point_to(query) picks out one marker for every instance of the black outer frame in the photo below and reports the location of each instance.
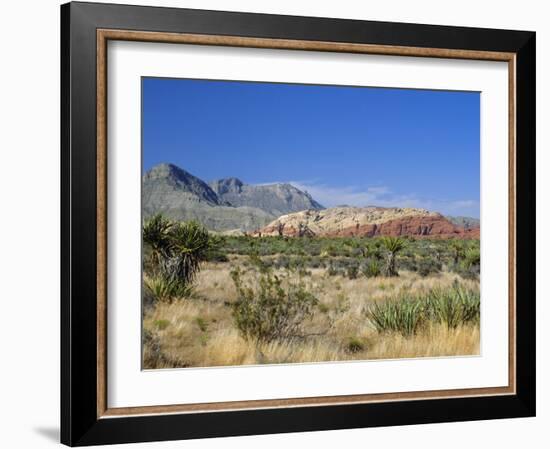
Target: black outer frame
(79, 422)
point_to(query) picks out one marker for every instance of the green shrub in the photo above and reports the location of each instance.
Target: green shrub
(323, 308)
(270, 310)
(354, 345)
(352, 272)
(332, 270)
(426, 266)
(372, 269)
(161, 324)
(202, 323)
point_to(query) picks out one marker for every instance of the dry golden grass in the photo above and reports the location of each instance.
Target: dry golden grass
(200, 331)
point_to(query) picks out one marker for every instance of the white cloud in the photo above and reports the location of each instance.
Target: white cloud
(330, 196)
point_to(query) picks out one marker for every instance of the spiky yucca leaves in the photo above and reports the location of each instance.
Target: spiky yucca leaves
(372, 269)
(393, 245)
(163, 290)
(403, 316)
(156, 234)
(189, 243)
(472, 257)
(406, 314)
(177, 250)
(453, 307)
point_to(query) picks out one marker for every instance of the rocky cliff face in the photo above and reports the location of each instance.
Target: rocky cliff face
(275, 199)
(367, 221)
(226, 204)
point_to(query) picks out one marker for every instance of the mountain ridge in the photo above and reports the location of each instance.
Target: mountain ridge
(221, 205)
(229, 205)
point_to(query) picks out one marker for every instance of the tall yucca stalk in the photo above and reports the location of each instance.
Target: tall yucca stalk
(393, 245)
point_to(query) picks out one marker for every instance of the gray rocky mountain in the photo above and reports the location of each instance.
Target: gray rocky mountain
(224, 205)
(275, 199)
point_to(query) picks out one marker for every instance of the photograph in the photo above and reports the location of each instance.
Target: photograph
(300, 223)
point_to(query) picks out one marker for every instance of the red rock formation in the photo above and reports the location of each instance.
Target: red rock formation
(413, 226)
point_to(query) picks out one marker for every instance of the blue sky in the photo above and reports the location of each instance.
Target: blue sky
(344, 145)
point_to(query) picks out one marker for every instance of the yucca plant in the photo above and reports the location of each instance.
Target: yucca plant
(457, 249)
(472, 257)
(156, 234)
(371, 269)
(188, 246)
(402, 315)
(163, 290)
(453, 307)
(393, 245)
(406, 315)
(176, 252)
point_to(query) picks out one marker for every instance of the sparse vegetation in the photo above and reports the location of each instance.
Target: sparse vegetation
(406, 315)
(276, 299)
(273, 310)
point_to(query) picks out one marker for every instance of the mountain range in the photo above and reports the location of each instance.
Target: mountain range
(221, 205)
(231, 206)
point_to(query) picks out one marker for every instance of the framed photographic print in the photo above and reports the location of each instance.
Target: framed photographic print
(276, 224)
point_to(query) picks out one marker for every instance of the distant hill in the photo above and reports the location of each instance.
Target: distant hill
(465, 222)
(367, 221)
(224, 205)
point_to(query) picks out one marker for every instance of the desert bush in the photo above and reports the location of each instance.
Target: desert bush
(161, 324)
(152, 354)
(354, 345)
(352, 271)
(202, 323)
(332, 270)
(426, 266)
(270, 309)
(466, 271)
(283, 261)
